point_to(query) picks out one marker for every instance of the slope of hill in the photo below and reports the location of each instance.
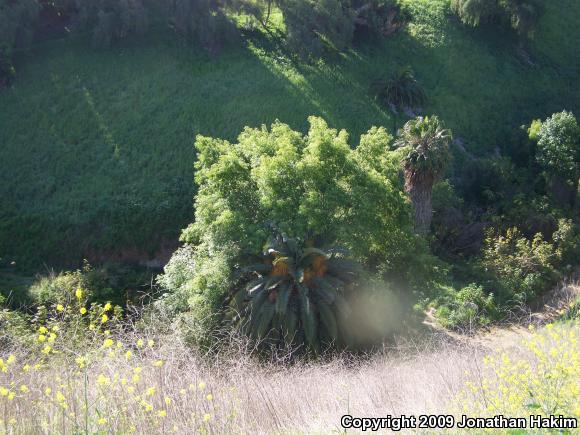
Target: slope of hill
(96, 146)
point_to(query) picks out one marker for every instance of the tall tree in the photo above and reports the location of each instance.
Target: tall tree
(428, 155)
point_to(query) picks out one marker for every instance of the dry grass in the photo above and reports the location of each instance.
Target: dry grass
(246, 396)
(125, 383)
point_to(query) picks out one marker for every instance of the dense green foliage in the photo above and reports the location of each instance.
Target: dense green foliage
(313, 26)
(312, 187)
(559, 145)
(511, 272)
(522, 15)
(474, 12)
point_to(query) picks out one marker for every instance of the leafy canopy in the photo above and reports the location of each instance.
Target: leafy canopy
(313, 187)
(521, 15)
(559, 145)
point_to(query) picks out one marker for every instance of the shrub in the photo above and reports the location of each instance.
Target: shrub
(559, 145)
(521, 15)
(14, 328)
(474, 12)
(567, 241)
(97, 285)
(108, 20)
(313, 187)
(204, 21)
(467, 308)
(521, 268)
(558, 153)
(312, 25)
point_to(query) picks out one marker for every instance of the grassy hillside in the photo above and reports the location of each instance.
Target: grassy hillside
(96, 146)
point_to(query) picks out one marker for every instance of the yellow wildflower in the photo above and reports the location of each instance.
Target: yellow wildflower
(162, 413)
(108, 342)
(102, 380)
(104, 318)
(83, 311)
(108, 306)
(81, 361)
(79, 293)
(60, 308)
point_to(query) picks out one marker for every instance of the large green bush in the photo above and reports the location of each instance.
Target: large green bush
(314, 187)
(558, 153)
(518, 269)
(521, 15)
(106, 20)
(205, 21)
(313, 25)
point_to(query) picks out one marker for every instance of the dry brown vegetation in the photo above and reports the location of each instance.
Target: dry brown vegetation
(133, 383)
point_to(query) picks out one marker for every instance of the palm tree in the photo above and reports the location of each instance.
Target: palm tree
(400, 91)
(428, 155)
(296, 294)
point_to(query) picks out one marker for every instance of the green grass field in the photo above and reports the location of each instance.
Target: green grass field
(96, 147)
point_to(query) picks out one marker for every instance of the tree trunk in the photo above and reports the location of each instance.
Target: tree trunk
(420, 189)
